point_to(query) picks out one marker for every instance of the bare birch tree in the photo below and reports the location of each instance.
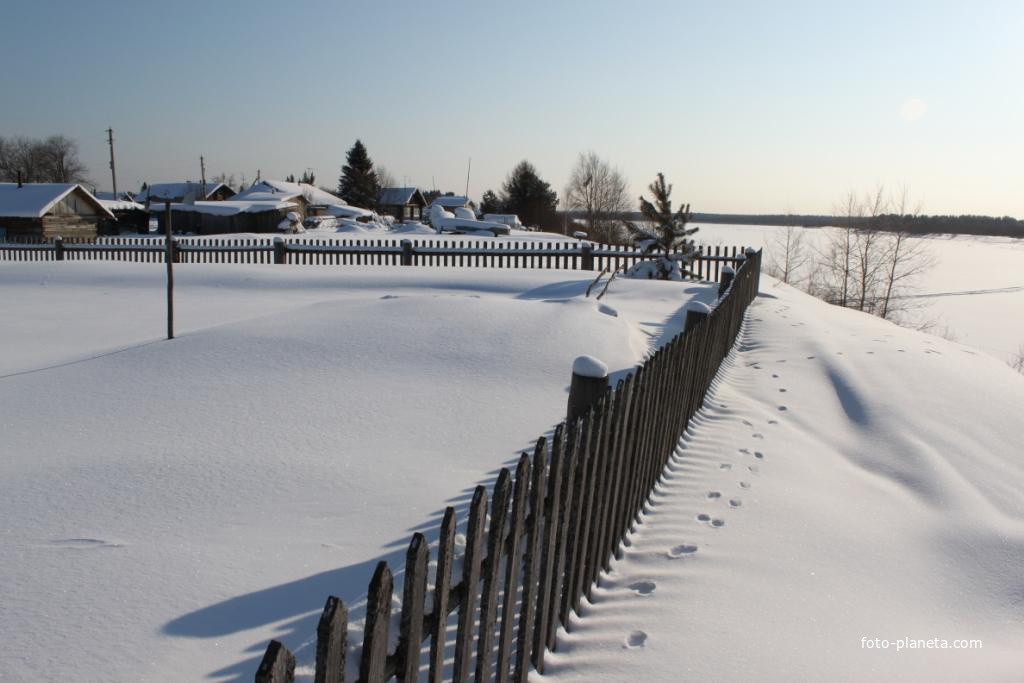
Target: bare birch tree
(601, 192)
(905, 257)
(787, 253)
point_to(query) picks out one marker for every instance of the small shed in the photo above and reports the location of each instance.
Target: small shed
(128, 215)
(178, 192)
(215, 218)
(49, 209)
(404, 203)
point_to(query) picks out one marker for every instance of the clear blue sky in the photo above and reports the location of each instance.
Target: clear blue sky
(746, 106)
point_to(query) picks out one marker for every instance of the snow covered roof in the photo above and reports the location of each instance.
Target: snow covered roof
(120, 196)
(450, 202)
(120, 204)
(231, 207)
(161, 192)
(398, 196)
(266, 189)
(34, 200)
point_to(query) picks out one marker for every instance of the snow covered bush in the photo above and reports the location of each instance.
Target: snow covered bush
(663, 232)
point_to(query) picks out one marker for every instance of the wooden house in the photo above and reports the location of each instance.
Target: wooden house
(404, 203)
(49, 209)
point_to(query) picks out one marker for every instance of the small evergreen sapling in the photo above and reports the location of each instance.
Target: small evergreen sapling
(667, 231)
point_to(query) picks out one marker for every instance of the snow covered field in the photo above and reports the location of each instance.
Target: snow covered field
(975, 292)
(848, 481)
(169, 507)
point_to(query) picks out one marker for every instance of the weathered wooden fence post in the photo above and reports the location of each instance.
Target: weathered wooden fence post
(170, 257)
(728, 274)
(407, 252)
(278, 665)
(696, 313)
(58, 248)
(589, 382)
(587, 256)
(280, 251)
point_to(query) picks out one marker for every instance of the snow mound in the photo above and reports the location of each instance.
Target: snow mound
(588, 366)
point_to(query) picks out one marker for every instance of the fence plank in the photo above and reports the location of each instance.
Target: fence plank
(414, 591)
(531, 560)
(492, 567)
(470, 579)
(512, 569)
(278, 665)
(442, 588)
(331, 642)
(373, 663)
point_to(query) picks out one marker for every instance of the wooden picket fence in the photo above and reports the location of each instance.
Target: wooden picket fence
(320, 251)
(553, 527)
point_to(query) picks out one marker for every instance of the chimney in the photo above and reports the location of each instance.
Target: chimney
(19, 178)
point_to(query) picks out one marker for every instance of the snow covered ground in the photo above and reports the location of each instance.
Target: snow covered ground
(168, 507)
(974, 294)
(848, 480)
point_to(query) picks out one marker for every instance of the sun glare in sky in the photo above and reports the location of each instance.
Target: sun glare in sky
(913, 109)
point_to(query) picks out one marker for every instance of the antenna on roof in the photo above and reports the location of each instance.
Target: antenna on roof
(469, 166)
(202, 174)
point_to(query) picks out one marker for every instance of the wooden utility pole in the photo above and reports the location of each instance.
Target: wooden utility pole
(169, 257)
(202, 175)
(469, 167)
(113, 174)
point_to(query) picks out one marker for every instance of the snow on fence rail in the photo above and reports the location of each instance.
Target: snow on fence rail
(552, 528)
(407, 252)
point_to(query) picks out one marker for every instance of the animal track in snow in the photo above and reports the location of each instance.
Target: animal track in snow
(759, 455)
(773, 422)
(635, 639)
(714, 494)
(716, 522)
(754, 468)
(748, 423)
(725, 466)
(745, 451)
(735, 502)
(782, 391)
(643, 587)
(774, 376)
(681, 551)
(745, 484)
(83, 543)
(757, 435)
(783, 409)
(811, 357)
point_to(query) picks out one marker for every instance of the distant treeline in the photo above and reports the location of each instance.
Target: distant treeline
(918, 225)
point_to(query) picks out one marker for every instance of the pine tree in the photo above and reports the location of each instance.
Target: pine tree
(358, 184)
(308, 178)
(529, 197)
(490, 203)
(290, 178)
(667, 231)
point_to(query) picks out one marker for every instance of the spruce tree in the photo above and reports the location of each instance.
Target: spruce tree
(358, 184)
(490, 203)
(664, 231)
(529, 197)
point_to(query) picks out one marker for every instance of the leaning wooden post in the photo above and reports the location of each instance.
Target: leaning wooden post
(587, 256)
(696, 313)
(406, 252)
(280, 251)
(169, 257)
(58, 248)
(589, 382)
(728, 275)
